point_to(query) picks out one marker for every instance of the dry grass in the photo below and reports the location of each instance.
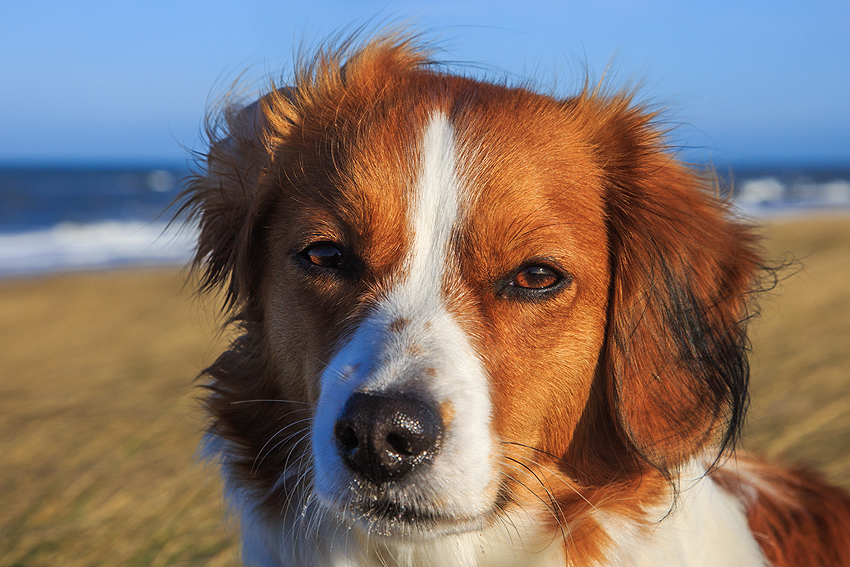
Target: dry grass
(98, 424)
(800, 408)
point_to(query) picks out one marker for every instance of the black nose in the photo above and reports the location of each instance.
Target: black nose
(384, 437)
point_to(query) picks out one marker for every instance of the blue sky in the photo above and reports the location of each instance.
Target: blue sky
(112, 82)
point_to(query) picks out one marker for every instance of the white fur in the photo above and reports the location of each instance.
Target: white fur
(310, 537)
(704, 527)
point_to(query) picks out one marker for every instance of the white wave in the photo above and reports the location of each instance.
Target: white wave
(70, 246)
(761, 191)
(798, 193)
(835, 192)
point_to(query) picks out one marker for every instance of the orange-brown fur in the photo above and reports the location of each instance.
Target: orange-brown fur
(599, 394)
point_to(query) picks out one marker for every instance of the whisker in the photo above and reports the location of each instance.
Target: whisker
(273, 400)
(300, 510)
(564, 529)
(304, 437)
(283, 477)
(548, 454)
(556, 509)
(256, 465)
(558, 476)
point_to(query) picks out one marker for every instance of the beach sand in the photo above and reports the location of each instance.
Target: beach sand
(99, 422)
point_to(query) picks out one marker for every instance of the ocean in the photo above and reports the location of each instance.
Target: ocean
(82, 219)
(54, 219)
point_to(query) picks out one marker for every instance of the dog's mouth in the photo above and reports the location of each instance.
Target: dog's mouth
(387, 517)
(380, 514)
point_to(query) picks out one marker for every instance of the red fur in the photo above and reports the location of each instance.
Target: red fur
(599, 393)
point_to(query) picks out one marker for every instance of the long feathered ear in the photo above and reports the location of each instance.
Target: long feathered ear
(224, 198)
(682, 275)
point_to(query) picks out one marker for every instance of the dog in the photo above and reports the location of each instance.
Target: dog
(480, 325)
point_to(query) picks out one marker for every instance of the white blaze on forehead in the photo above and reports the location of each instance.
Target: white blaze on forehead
(412, 342)
(435, 207)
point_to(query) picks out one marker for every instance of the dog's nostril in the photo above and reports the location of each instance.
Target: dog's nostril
(384, 437)
(346, 436)
(400, 445)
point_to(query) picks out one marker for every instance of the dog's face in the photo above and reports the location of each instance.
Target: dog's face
(460, 300)
(429, 288)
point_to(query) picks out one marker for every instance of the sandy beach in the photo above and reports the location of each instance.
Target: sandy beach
(99, 421)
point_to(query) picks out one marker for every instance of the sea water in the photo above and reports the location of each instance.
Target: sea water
(55, 219)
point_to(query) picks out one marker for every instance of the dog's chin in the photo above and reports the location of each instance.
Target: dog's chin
(383, 517)
(391, 521)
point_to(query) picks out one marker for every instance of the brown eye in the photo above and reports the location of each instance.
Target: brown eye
(535, 277)
(325, 255)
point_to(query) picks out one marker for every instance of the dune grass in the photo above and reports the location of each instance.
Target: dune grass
(99, 424)
(800, 410)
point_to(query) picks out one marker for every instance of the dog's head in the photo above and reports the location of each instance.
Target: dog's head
(458, 299)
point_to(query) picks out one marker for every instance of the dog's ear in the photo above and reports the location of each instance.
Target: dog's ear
(682, 275)
(224, 196)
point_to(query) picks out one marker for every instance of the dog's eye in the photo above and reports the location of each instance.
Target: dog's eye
(536, 278)
(535, 282)
(325, 255)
